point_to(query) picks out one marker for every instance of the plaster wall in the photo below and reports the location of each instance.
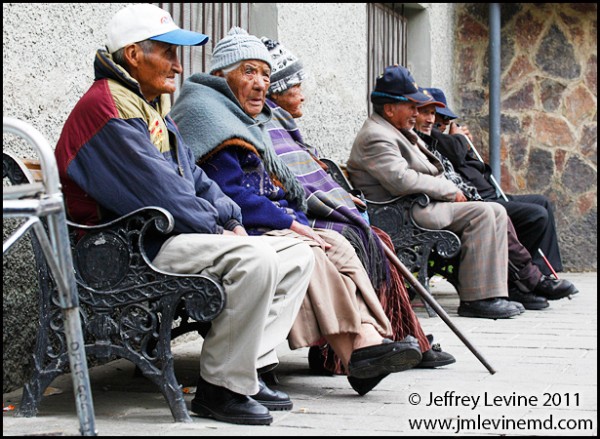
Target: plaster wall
(431, 45)
(332, 45)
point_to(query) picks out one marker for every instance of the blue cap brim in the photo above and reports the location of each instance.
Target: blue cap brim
(418, 97)
(433, 102)
(446, 112)
(180, 37)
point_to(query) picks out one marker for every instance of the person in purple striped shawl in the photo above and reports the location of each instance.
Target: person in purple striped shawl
(329, 206)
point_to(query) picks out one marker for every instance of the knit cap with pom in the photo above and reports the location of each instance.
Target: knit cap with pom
(238, 45)
(287, 69)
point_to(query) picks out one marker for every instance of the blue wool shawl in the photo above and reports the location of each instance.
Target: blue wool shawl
(209, 115)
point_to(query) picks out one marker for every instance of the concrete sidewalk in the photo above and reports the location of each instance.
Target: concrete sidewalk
(545, 384)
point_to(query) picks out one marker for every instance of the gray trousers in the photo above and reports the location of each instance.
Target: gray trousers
(265, 280)
(481, 228)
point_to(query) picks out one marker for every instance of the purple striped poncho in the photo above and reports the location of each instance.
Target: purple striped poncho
(329, 206)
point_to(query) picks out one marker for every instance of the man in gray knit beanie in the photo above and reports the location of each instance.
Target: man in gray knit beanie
(223, 117)
(238, 45)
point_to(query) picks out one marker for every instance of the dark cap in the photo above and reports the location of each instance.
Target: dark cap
(397, 85)
(439, 96)
(438, 104)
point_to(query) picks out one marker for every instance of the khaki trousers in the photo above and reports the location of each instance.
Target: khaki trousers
(481, 228)
(340, 295)
(265, 280)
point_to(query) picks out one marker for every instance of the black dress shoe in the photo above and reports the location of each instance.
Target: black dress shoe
(495, 308)
(528, 300)
(435, 357)
(554, 289)
(365, 385)
(224, 405)
(519, 305)
(272, 399)
(387, 357)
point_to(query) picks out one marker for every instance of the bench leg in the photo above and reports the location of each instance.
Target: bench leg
(172, 392)
(45, 367)
(165, 377)
(33, 392)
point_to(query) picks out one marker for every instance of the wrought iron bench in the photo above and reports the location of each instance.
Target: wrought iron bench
(423, 251)
(129, 308)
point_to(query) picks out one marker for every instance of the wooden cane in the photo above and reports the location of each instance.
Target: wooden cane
(437, 308)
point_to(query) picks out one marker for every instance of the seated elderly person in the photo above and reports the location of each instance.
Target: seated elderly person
(329, 206)
(531, 214)
(222, 116)
(388, 160)
(110, 165)
(526, 283)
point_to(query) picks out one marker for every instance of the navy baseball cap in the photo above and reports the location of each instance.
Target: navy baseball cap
(439, 96)
(433, 101)
(396, 84)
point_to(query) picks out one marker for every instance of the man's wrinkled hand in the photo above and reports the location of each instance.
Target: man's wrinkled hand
(460, 197)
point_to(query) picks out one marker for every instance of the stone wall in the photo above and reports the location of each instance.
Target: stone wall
(548, 105)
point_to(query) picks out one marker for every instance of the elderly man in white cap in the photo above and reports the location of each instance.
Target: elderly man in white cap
(119, 151)
(222, 116)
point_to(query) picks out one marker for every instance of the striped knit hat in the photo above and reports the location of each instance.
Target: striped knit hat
(287, 69)
(238, 45)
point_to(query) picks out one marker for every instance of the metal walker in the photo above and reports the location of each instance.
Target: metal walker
(35, 200)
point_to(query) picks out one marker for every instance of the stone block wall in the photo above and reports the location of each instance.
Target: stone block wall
(548, 106)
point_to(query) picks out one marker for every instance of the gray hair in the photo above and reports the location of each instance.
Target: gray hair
(227, 70)
(119, 55)
(378, 108)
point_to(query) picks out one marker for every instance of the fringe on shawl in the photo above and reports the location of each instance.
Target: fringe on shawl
(370, 252)
(392, 296)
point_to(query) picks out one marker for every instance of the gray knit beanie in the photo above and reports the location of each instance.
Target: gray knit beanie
(287, 69)
(237, 46)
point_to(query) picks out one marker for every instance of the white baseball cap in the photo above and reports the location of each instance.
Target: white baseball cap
(148, 22)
